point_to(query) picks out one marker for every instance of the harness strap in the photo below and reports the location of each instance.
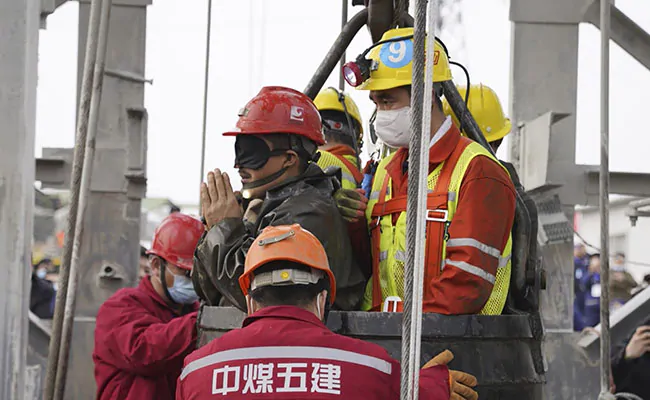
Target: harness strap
(354, 170)
(436, 201)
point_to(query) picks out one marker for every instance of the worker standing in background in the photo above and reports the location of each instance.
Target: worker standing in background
(470, 204)
(284, 350)
(142, 334)
(277, 138)
(621, 283)
(343, 132)
(588, 303)
(580, 269)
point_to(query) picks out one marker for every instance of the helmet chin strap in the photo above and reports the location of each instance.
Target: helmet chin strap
(264, 181)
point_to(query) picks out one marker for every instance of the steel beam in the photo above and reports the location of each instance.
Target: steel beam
(624, 32)
(19, 24)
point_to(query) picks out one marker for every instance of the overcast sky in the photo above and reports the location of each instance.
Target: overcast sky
(281, 42)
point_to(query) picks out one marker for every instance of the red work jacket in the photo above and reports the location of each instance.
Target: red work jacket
(483, 220)
(286, 352)
(140, 343)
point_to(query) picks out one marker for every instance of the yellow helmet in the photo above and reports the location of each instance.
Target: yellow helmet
(328, 99)
(485, 107)
(391, 62)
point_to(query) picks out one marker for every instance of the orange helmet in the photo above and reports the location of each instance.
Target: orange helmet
(175, 239)
(278, 109)
(288, 243)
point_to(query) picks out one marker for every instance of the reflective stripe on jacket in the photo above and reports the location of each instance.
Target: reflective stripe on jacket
(351, 176)
(470, 264)
(286, 352)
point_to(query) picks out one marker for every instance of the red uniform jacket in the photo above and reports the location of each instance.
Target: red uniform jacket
(286, 352)
(140, 343)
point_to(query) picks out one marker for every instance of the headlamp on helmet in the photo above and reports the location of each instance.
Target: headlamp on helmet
(358, 71)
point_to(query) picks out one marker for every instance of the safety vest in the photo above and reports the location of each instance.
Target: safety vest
(350, 174)
(389, 240)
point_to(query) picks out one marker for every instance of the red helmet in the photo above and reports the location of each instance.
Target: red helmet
(278, 109)
(176, 238)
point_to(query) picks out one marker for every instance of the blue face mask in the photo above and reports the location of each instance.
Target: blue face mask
(41, 273)
(182, 292)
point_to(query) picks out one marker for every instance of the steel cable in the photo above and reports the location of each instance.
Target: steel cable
(416, 205)
(605, 366)
(83, 113)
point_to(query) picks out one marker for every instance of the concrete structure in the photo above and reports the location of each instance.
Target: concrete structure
(631, 240)
(19, 24)
(543, 108)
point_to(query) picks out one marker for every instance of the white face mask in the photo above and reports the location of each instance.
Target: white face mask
(393, 127)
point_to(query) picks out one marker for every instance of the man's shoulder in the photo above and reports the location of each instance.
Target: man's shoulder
(133, 296)
(236, 339)
(484, 167)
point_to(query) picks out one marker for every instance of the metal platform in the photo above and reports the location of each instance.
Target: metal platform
(503, 352)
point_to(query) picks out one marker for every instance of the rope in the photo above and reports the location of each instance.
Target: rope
(206, 83)
(416, 207)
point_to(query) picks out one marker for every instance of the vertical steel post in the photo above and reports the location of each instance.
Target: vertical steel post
(344, 21)
(19, 24)
(206, 82)
(605, 366)
(77, 166)
(84, 193)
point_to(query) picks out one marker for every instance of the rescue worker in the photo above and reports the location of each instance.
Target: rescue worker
(621, 283)
(277, 137)
(580, 268)
(470, 205)
(142, 334)
(143, 266)
(485, 107)
(284, 350)
(343, 132)
(588, 303)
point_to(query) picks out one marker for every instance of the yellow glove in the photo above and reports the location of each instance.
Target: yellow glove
(460, 383)
(351, 203)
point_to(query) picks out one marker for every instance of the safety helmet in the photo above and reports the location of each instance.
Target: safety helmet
(278, 109)
(175, 239)
(484, 105)
(286, 243)
(329, 100)
(391, 62)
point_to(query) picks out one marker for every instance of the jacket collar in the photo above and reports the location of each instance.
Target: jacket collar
(341, 150)
(284, 312)
(442, 143)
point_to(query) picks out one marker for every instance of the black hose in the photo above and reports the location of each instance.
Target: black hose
(335, 53)
(466, 91)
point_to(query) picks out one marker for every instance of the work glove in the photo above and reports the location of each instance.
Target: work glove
(460, 383)
(351, 203)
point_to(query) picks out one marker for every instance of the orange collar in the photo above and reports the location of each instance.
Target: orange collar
(341, 150)
(439, 152)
